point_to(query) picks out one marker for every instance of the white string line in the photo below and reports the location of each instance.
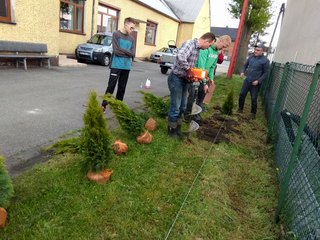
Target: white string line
(194, 180)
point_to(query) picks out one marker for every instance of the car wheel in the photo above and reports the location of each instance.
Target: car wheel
(105, 60)
(80, 60)
(164, 70)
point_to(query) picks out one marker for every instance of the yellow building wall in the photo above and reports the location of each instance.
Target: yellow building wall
(69, 41)
(184, 33)
(34, 24)
(198, 28)
(38, 21)
(202, 23)
(167, 28)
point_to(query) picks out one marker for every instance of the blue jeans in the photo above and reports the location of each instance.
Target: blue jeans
(178, 97)
(254, 91)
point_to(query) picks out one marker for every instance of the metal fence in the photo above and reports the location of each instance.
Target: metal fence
(291, 97)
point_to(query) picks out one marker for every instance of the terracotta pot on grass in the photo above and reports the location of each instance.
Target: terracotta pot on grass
(151, 124)
(3, 217)
(100, 177)
(120, 147)
(145, 138)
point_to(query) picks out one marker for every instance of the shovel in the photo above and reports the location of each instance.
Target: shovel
(196, 109)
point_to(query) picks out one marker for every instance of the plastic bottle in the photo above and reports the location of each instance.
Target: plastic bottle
(148, 83)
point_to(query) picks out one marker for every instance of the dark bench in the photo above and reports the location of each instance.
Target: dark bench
(21, 51)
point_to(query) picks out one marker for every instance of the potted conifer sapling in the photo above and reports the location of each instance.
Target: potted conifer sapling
(131, 122)
(96, 141)
(6, 192)
(228, 104)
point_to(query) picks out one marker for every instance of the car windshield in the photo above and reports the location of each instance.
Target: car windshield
(101, 39)
(162, 49)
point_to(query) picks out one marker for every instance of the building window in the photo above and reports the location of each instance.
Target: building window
(5, 11)
(107, 19)
(151, 33)
(71, 15)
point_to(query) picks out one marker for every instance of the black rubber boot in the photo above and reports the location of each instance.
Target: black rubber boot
(172, 132)
(179, 133)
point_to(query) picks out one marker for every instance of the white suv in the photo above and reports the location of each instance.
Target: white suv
(98, 49)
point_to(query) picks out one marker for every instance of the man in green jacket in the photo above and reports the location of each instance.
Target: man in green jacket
(207, 60)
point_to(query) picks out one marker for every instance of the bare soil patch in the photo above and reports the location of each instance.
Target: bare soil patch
(218, 127)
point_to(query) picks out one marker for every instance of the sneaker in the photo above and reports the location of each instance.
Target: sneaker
(253, 116)
(240, 110)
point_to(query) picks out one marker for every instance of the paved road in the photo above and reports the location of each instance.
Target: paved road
(39, 105)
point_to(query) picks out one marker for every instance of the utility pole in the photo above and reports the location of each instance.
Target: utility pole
(281, 12)
(238, 39)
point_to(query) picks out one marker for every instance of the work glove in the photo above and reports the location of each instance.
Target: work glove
(190, 75)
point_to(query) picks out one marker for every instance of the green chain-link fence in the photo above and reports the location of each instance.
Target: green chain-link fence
(291, 97)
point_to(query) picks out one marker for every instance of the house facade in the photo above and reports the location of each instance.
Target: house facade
(299, 39)
(63, 24)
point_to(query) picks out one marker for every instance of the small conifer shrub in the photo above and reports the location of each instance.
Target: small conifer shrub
(228, 105)
(157, 105)
(69, 145)
(95, 139)
(6, 188)
(130, 122)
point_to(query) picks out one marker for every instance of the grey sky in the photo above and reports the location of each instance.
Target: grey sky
(220, 17)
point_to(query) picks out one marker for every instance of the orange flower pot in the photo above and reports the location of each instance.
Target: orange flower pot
(100, 177)
(120, 147)
(151, 124)
(3, 217)
(145, 138)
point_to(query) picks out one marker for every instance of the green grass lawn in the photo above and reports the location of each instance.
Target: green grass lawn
(233, 198)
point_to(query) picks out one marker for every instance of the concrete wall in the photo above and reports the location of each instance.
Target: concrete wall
(299, 39)
(33, 23)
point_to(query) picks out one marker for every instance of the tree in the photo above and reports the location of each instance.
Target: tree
(6, 188)
(257, 20)
(95, 138)
(156, 105)
(131, 122)
(228, 103)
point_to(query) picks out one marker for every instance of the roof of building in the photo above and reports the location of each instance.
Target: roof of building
(159, 6)
(186, 10)
(179, 10)
(219, 31)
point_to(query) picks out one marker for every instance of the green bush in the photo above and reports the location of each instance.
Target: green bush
(6, 188)
(131, 122)
(158, 106)
(69, 145)
(228, 104)
(95, 139)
